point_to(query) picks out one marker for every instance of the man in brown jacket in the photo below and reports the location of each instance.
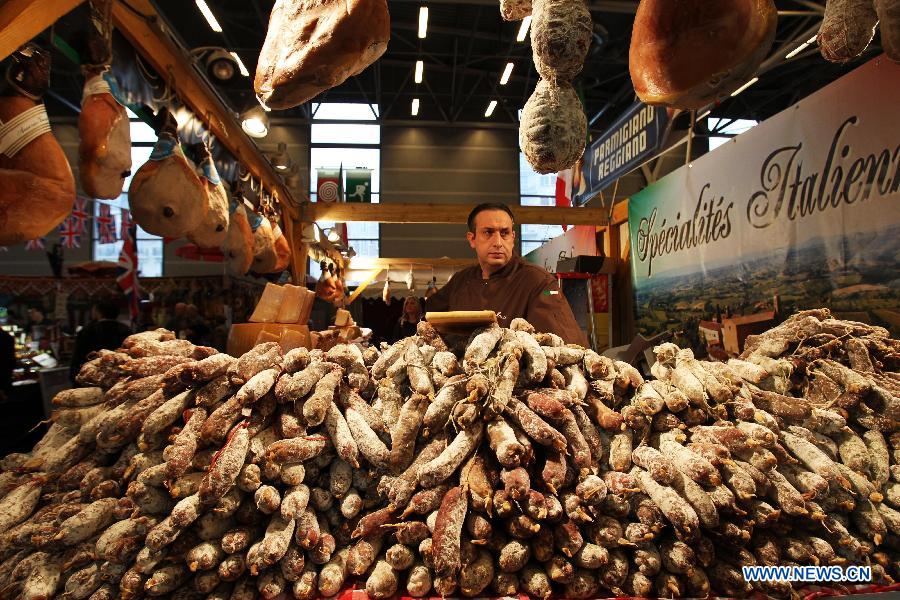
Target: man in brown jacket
(505, 283)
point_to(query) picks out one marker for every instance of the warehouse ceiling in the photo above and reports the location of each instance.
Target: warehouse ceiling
(465, 51)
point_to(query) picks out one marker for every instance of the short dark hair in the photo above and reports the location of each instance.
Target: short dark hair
(107, 308)
(487, 206)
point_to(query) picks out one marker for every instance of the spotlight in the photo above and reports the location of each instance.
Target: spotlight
(281, 160)
(255, 122)
(523, 29)
(420, 67)
(221, 66)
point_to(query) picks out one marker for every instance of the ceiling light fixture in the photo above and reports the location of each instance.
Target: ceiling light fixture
(210, 17)
(281, 160)
(220, 64)
(241, 67)
(523, 29)
(420, 67)
(744, 87)
(255, 122)
(504, 79)
(490, 108)
(800, 48)
(415, 107)
(423, 21)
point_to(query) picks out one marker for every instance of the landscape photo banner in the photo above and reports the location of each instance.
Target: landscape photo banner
(804, 206)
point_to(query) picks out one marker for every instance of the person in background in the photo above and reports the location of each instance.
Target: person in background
(104, 332)
(178, 321)
(196, 330)
(504, 283)
(37, 322)
(323, 308)
(7, 363)
(412, 314)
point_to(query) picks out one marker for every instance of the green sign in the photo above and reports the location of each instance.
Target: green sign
(359, 185)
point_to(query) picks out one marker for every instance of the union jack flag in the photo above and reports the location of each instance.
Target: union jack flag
(126, 223)
(80, 214)
(106, 225)
(127, 269)
(69, 235)
(35, 244)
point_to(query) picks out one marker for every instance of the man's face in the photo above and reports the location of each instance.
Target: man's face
(327, 291)
(493, 239)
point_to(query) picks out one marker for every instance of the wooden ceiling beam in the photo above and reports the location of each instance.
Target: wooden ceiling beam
(344, 212)
(144, 27)
(22, 20)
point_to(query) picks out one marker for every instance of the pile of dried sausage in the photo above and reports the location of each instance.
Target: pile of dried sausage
(506, 463)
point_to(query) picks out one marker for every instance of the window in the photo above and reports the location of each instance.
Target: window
(536, 190)
(347, 146)
(732, 127)
(149, 246)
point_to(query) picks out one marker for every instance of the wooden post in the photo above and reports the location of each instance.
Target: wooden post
(22, 20)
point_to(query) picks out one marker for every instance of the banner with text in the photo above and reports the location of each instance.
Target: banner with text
(635, 136)
(805, 206)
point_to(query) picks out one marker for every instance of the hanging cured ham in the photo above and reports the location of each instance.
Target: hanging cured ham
(104, 148)
(264, 256)
(314, 45)
(239, 241)
(166, 196)
(37, 187)
(282, 248)
(213, 228)
(688, 53)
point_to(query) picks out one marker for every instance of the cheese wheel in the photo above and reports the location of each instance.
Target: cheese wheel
(688, 53)
(291, 304)
(553, 128)
(561, 33)
(267, 308)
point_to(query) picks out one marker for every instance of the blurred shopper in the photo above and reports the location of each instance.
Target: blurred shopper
(104, 332)
(412, 314)
(323, 309)
(7, 363)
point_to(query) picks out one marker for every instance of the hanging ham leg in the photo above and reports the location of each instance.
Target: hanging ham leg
(104, 149)
(264, 256)
(239, 243)
(282, 249)
(166, 196)
(214, 228)
(37, 187)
